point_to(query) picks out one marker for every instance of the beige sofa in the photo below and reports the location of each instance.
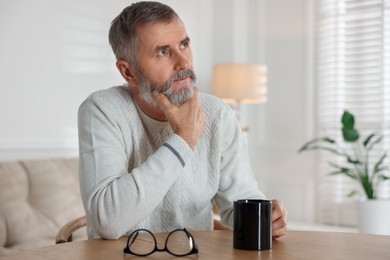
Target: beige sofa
(37, 198)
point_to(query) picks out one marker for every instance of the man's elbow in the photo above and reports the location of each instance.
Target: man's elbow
(108, 231)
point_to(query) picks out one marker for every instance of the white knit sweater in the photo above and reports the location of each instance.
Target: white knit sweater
(136, 173)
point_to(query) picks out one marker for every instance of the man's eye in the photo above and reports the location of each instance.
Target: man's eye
(163, 53)
(184, 45)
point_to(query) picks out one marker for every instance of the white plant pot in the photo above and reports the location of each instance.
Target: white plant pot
(374, 216)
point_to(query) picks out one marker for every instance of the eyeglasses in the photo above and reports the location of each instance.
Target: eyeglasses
(179, 242)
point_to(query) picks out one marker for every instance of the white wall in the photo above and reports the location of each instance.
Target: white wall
(54, 53)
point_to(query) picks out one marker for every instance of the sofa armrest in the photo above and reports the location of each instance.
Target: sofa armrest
(65, 233)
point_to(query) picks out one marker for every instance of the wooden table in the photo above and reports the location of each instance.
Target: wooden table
(218, 245)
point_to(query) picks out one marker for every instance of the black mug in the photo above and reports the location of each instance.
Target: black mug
(252, 228)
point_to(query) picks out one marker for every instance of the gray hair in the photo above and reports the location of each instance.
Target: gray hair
(123, 31)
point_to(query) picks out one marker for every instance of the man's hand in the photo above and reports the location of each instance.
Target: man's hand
(279, 219)
(187, 120)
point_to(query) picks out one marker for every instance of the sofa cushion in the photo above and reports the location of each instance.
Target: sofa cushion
(36, 199)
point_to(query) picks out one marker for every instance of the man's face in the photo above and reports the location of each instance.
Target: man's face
(165, 62)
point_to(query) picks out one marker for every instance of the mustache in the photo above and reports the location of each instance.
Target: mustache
(179, 75)
(183, 74)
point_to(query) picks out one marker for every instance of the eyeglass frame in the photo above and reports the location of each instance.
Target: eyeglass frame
(127, 249)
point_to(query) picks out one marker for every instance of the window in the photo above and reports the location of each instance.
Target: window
(353, 73)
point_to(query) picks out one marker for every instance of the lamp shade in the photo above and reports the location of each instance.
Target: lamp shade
(240, 83)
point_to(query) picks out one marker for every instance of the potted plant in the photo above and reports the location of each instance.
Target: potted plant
(359, 166)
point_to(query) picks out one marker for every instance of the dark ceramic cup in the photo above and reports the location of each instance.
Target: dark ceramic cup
(252, 224)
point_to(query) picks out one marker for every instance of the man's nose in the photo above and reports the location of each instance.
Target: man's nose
(182, 61)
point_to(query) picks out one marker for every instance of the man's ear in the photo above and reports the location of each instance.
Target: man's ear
(126, 71)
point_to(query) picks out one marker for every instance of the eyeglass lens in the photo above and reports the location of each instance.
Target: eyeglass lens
(179, 243)
(142, 242)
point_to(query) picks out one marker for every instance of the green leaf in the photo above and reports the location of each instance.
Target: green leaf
(346, 173)
(377, 167)
(350, 134)
(367, 186)
(307, 145)
(352, 193)
(378, 140)
(334, 151)
(353, 161)
(342, 170)
(383, 177)
(325, 148)
(348, 120)
(367, 140)
(382, 169)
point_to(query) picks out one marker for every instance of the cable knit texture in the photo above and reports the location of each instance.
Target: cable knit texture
(136, 173)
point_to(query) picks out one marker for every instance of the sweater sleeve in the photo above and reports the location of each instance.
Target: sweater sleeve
(236, 176)
(116, 200)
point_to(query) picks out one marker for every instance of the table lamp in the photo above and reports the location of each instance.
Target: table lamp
(240, 84)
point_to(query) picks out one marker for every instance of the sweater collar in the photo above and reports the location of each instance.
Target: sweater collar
(151, 122)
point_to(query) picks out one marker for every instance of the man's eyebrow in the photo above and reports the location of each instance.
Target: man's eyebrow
(161, 47)
(186, 39)
(166, 46)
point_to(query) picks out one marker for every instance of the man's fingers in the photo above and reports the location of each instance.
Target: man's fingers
(161, 100)
(279, 232)
(279, 223)
(276, 210)
(279, 219)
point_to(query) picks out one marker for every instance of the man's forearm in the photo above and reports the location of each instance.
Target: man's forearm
(117, 200)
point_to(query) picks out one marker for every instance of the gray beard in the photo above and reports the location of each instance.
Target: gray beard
(147, 88)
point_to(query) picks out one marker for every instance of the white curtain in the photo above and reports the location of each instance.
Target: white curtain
(353, 73)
